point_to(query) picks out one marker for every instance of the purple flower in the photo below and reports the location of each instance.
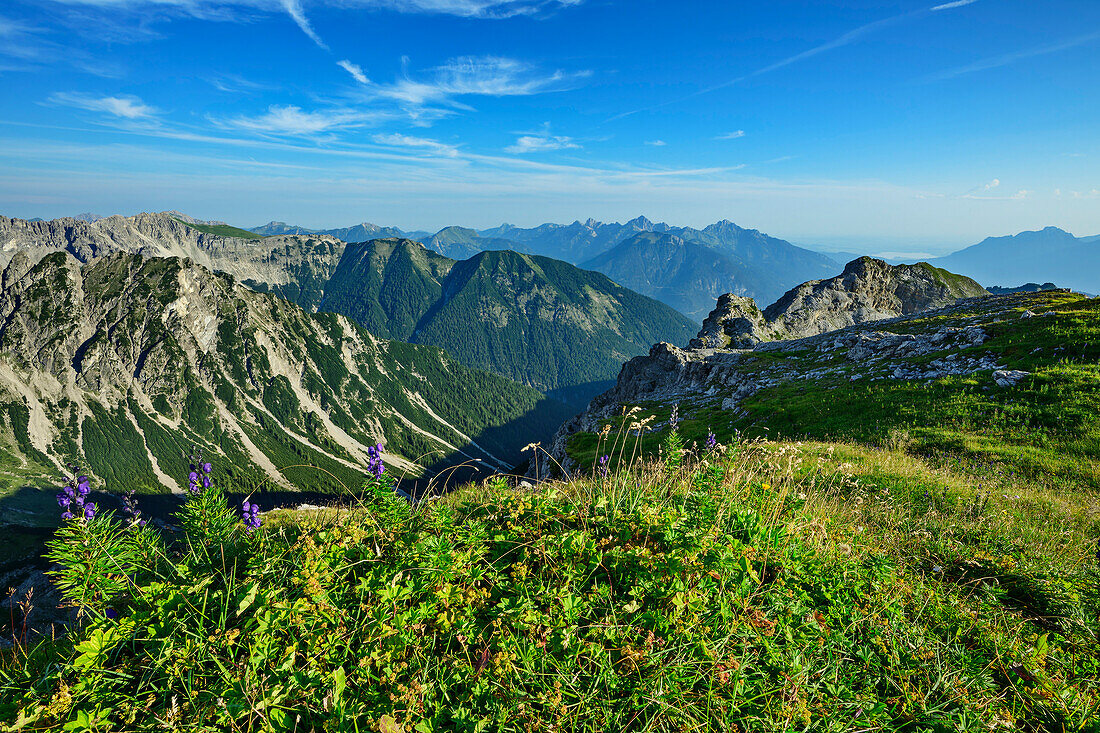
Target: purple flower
(712, 441)
(112, 614)
(192, 476)
(207, 468)
(130, 508)
(250, 515)
(375, 465)
(72, 495)
(89, 511)
(206, 481)
(603, 465)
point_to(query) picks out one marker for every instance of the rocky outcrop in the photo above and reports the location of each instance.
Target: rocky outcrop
(736, 323)
(295, 266)
(867, 290)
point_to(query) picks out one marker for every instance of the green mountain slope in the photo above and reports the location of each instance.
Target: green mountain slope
(124, 364)
(535, 320)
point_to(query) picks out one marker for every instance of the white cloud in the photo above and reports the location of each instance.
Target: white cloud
(491, 76)
(656, 143)
(1023, 193)
(540, 143)
(952, 5)
(731, 135)
(126, 107)
(398, 140)
(294, 10)
(355, 70)
(992, 184)
(220, 8)
(292, 120)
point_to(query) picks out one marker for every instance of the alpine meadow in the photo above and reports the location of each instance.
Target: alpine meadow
(773, 404)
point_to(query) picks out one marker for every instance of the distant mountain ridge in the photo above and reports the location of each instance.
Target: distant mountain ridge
(655, 263)
(1049, 254)
(539, 321)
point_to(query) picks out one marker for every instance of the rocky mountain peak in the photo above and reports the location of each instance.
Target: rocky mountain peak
(736, 323)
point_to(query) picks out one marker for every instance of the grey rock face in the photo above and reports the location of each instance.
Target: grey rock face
(276, 262)
(736, 323)
(868, 290)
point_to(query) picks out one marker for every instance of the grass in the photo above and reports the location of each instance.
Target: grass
(222, 230)
(763, 586)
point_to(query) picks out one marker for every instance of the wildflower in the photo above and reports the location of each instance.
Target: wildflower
(250, 514)
(112, 614)
(603, 465)
(375, 466)
(674, 418)
(712, 441)
(72, 497)
(130, 509)
(89, 511)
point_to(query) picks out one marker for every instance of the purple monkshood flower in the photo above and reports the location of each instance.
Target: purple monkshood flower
(603, 465)
(111, 614)
(72, 495)
(375, 465)
(712, 441)
(250, 514)
(197, 481)
(130, 508)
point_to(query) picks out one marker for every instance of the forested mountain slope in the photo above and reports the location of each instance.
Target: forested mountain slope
(123, 364)
(536, 320)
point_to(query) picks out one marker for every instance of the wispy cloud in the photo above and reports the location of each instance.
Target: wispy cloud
(355, 70)
(125, 106)
(656, 143)
(1011, 58)
(294, 10)
(294, 121)
(398, 140)
(731, 135)
(490, 76)
(953, 5)
(469, 8)
(540, 143)
(465, 8)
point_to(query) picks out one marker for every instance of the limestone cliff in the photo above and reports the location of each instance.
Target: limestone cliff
(293, 266)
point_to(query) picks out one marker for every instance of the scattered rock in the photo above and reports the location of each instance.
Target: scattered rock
(1008, 377)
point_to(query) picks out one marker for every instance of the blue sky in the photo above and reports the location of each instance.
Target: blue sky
(895, 125)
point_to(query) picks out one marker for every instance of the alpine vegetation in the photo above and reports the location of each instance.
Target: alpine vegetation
(748, 585)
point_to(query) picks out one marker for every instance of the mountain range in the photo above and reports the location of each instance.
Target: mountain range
(683, 267)
(536, 320)
(1047, 254)
(539, 321)
(125, 364)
